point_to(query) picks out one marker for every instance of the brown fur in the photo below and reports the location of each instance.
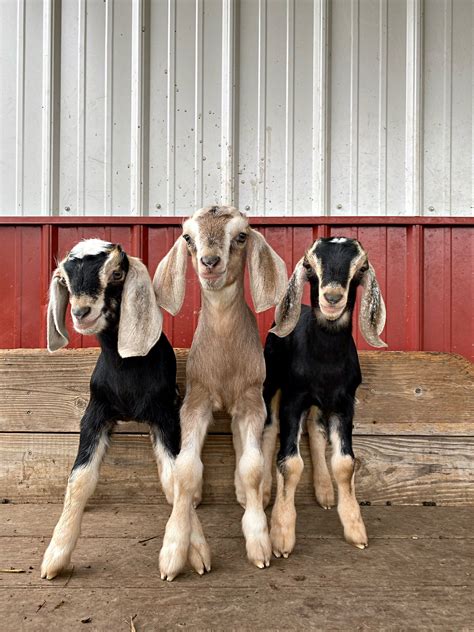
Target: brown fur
(225, 370)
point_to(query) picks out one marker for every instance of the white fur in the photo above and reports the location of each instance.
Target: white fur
(338, 240)
(81, 485)
(89, 247)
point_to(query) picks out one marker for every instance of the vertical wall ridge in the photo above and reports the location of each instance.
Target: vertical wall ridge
(413, 130)
(296, 107)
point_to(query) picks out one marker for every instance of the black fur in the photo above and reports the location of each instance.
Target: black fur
(317, 363)
(141, 389)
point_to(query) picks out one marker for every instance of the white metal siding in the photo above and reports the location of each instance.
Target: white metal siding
(283, 107)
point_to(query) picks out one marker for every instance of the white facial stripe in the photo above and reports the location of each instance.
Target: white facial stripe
(89, 247)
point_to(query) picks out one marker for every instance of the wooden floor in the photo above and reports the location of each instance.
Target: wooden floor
(417, 573)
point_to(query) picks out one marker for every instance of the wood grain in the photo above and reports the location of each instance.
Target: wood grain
(397, 583)
(399, 469)
(402, 393)
(141, 521)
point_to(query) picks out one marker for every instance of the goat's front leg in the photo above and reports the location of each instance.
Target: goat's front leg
(184, 537)
(93, 442)
(343, 468)
(289, 469)
(249, 415)
(323, 487)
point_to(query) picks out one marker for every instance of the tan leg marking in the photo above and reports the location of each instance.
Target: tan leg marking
(323, 487)
(237, 441)
(268, 447)
(81, 485)
(343, 467)
(283, 522)
(184, 538)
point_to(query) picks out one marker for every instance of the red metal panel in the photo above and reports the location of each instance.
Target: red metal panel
(424, 266)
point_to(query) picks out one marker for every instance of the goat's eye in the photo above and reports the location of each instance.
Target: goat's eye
(363, 269)
(117, 275)
(187, 239)
(241, 237)
(306, 265)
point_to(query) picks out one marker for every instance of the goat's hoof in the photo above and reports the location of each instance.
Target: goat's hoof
(199, 554)
(324, 492)
(361, 546)
(356, 534)
(259, 551)
(173, 557)
(283, 539)
(54, 561)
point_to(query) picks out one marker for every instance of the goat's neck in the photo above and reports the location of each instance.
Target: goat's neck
(108, 340)
(225, 307)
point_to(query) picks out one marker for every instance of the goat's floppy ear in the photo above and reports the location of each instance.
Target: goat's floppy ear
(267, 270)
(170, 278)
(372, 310)
(57, 336)
(140, 317)
(288, 309)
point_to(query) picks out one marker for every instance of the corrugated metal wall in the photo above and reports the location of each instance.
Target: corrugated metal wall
(419, 264)
(285, 107)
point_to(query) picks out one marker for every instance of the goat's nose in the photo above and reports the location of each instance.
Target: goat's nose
(210, 262)
(80, 312)
(333, 297)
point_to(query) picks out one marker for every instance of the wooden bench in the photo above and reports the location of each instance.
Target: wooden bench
(414, 433)
(414, 439)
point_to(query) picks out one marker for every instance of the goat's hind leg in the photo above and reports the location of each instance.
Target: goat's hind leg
(237, 441)
(289, 469)
(343, 468)
(95, 431)
(318, 440)
(270, 433)
(165, 434)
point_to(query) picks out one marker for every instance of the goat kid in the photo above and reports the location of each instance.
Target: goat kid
(313, 371)
(225, 368)
(111, 296)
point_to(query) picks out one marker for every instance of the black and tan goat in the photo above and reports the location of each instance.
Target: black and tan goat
(313, 372)
(111, 296)
(225, 368)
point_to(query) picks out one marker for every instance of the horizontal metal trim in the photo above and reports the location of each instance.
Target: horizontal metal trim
(414, 220)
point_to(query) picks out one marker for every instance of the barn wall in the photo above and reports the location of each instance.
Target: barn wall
(424, 267)
(284, 107)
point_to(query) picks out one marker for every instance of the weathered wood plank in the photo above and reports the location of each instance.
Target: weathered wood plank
(397, 583)
(368, 607)
(223, 521)
(402, 393)
(119, 562)
(403, 470)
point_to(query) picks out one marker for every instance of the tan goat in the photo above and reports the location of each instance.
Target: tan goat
(225, 371)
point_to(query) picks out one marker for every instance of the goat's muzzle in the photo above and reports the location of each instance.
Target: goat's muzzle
(332, 302)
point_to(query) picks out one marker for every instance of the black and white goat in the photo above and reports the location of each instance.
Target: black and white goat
(111, 296)
(313, 371)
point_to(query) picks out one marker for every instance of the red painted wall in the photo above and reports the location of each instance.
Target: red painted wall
(424, 266)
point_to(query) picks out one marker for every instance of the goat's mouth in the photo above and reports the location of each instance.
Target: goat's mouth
(88, 326)
(332, 312)
(211, 278)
